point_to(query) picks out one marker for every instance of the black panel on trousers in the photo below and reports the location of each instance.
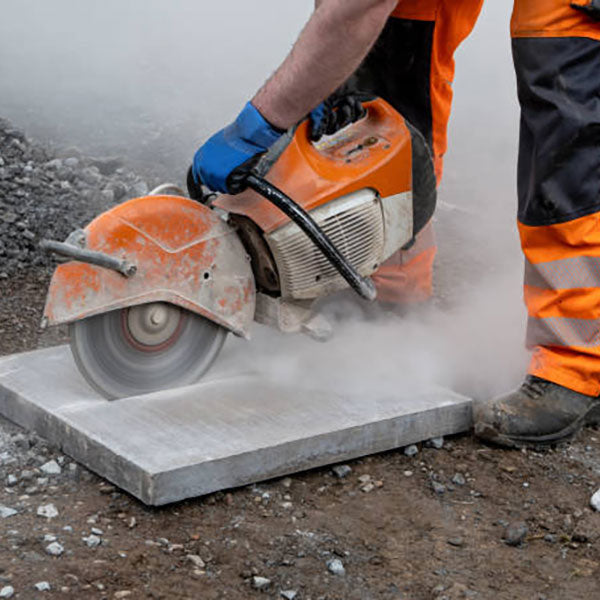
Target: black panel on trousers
(398, 70)
(559, 159)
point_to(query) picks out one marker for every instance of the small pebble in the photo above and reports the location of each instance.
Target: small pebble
(595, 501)
(515, 533)
(196, 561)
(260, 583)
(408, 473)
(51, 468)
(459, 479)
(336, 567)
(42, 586)
(11, 480)
(7, 591)
(437, 443)
(458, 542)
(49, 511)
(26, 475)
(411, 450)
(6, 512)
(438, 488)
(54, 549)
(97, 531)
(122, 594)
(341, 471)
(288, 594)
(92, 541)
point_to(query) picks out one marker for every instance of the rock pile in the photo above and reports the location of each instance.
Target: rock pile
(43, 196)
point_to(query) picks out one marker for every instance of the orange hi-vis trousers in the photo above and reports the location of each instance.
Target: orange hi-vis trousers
(412, 67)
(556, 50)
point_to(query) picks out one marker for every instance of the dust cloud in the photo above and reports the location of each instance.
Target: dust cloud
(149, 80)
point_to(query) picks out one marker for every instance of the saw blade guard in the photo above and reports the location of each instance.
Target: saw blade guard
(184, 254)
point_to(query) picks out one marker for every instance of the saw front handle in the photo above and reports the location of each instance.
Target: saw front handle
(364, 286)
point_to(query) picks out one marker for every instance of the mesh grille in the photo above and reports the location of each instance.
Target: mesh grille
(353, 223)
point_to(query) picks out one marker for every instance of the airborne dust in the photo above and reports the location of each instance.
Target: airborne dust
(149, 80)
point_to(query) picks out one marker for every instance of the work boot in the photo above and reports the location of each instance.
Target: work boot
(539, 413)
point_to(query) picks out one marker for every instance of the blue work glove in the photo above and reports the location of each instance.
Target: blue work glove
(336, 112)
(223, 162)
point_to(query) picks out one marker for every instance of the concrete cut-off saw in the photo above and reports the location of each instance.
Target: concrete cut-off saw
(151, 287)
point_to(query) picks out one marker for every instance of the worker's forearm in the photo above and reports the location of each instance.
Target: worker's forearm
(338, 36)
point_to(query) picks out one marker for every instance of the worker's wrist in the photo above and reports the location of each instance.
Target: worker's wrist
(279, 115)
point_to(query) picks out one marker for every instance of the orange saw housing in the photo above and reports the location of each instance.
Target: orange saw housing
(374, 153)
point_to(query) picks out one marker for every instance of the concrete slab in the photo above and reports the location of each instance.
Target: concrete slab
(230, 430)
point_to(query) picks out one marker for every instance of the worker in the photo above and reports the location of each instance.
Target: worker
(403, 51)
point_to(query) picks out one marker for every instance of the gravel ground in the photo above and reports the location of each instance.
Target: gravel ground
(45, 196)
(432, 522)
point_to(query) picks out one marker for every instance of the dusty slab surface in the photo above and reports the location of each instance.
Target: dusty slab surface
(230, 430)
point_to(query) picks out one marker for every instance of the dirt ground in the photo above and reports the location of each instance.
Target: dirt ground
(432, 526)
(403, 539)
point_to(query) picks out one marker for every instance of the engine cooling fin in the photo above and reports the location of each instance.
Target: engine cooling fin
(354, 223)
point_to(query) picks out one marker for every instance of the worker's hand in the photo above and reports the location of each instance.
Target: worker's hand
(335, 113)
(223, 162)
(591, 8)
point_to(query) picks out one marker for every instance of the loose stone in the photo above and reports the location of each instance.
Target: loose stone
(437, 443)
(54, 549)
(260, 583)
(7, 591)
(516, 533)
(49, 511)
(42, 586)
(595, 501)
(459, 479)
(6, 512)
(196, 561)
(92, 541)
(51, 468)
(411, 450)
(341, 471)
(438, 488)
(336, 567)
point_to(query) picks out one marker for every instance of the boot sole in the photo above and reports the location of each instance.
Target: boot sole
(489, 433)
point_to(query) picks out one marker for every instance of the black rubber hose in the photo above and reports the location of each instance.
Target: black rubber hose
(362, 285)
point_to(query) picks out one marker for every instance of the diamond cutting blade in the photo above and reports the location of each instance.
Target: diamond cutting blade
(144, 348)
